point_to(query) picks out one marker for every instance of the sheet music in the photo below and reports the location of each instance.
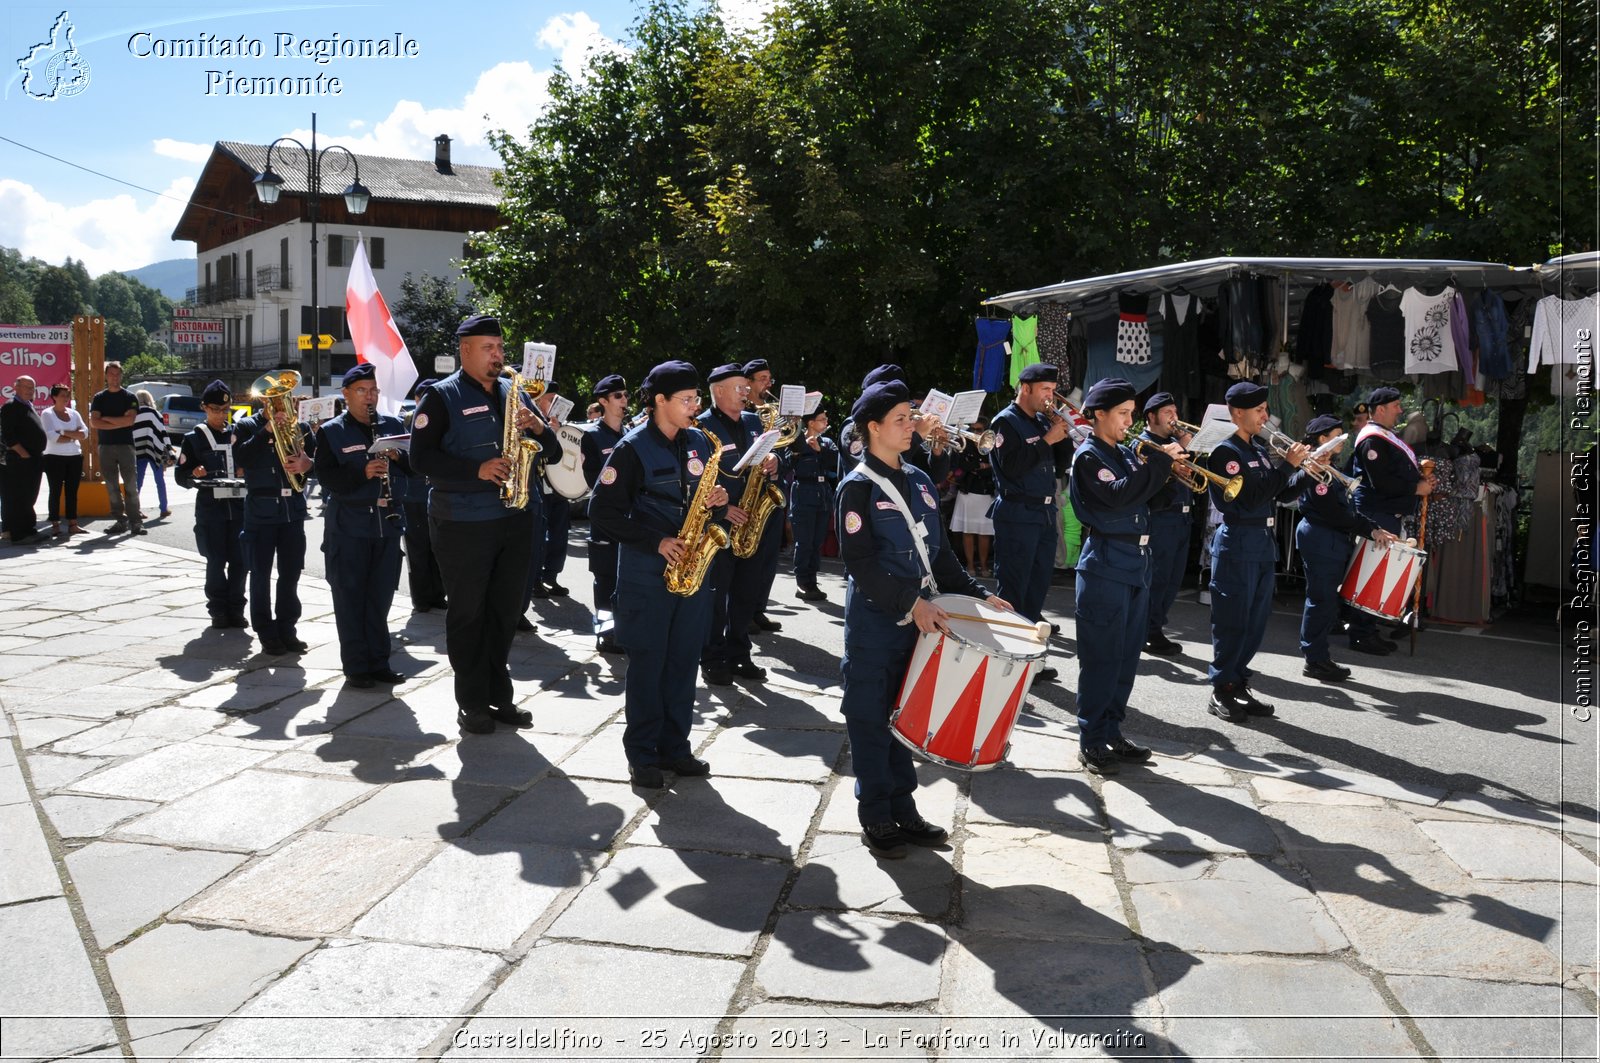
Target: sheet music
(813, 400)
(539, 361)
(937, 405)
(760, 447)
(791, 400)
(1215, 427)
(390, 445)
(560, 407)
(967, 406)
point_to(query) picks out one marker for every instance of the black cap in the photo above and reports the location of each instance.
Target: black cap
(359, 371)
(608, 384)
(725, 372)
(424, 385)
(883, 373)
(1108, 393)
(1158, 400)
(756, 365)
(216, 394)
(821, 409)
(1325, 423)
(1038, 373)
(1246, 395)
(877, 400)
(1383, 395)
(479, 325)
(669, 378)
(1362, 407)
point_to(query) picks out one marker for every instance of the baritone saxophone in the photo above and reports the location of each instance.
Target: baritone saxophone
(702, 538)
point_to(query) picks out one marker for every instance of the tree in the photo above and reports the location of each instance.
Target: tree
(123, 340)
(155, 362)
(57, 299)
(428, 313)
(17, 279)
(114, 300)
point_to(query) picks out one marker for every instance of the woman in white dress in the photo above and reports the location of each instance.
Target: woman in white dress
(969, 522)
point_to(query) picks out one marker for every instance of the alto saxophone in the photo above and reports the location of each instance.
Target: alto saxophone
(761, 499)
(701, 537)
(517, 451)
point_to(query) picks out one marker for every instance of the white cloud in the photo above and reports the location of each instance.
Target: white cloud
(181, 149)
(574, 37)
(107, 234)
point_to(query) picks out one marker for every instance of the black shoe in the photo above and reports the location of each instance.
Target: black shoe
(810, 594)
(1389, 644)
(718, 677)
(539, 591)
(1102, 761)
(920, 832)
(513, 716)
(886, 840)
(238, 621)
(1374, 646)
(1055, 629)
(1326, 671)
(523, 623)
(389, 675)
(221, 621)
(607, 645)
(646, 775)
(360, 682)
(759, 622)
(297, 645)
(748, 670)
(421, 607)
(555, 590)
(475, 721)
(689, 767)
(117, 528)
(1162, 646)
(1045, 674)
(1226, 705)
(1254, 706)
(277, 649)
(1130, 751)
(140, 530)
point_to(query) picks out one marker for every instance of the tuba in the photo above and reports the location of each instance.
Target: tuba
(275, 391)
(701, 537)
(519, 452)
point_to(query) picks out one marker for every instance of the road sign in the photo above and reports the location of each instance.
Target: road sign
(197, 330)
(304, 343)
(324, 342)
(444, 363)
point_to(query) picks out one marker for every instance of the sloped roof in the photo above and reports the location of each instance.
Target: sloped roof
(417, 180)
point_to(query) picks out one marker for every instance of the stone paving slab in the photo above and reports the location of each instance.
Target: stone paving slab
(742, 816)
(1508, 851)
(1049, 799)
(581, 814)
(766, 753)
(47, 973)
(937, 797)
(1285, 791)
(1465, 1019)
(1243, 906)
(147, 730)
(1033, 883)
(124, 887)
(841, 873)
(26, 870)
(13, 788)
(1502, 808)
(252, 811)
(510, 759)
(1209, 819)
(601, 757)
(1559, 915)
(36, 731)
(51, 772)
(421, 808)
(170, 772)
(828, 1031)
(852, 958)
(1363, 829)
(375, 760)
(315, 886)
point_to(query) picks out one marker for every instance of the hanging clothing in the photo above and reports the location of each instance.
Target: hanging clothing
(1239, 305)
(1556, 324)
(1314, 348)
(1461, 335)
(1352, 334)
(1024, 345)
(1180, 346)
(1387, 325)
(1133, 328)
(1102, 362)
(1494, 353)
(1520, 310)
(1055, 341)
(989, 367)
(1429, 345)
(1078, 350)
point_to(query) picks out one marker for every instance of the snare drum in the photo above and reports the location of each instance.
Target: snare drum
(566, 476)
(1382, 579)
(961, 695)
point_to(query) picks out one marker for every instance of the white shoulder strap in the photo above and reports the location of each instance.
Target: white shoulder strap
(918, 532)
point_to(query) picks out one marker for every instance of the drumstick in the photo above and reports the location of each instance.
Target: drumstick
(1422, 537)
(1041, 630)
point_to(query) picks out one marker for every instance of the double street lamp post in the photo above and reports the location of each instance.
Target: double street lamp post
(269, 186)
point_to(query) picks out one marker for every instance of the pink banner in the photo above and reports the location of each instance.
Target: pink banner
(43, 352)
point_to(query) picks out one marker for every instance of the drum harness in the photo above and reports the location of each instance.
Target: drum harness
(918, 532)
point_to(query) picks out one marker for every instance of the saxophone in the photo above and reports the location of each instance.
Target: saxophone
(760, 500)
(702, 538)
(519, 452)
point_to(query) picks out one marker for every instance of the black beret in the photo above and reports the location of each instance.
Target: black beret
(1325, 423)
(1038, 373)
(669, 378)
(216, 394)
(1246, 395)
(877, 400)
(1107, 393)
(883, 373)
(424, 385)
(611, 383)
(1362, 407)
(1380, 396)
(821, 409)
(1158, 400)
(479, 325)
(725, 372)
(359, 371)
(756, 365)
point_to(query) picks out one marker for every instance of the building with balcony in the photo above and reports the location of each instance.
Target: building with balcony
(253, 268)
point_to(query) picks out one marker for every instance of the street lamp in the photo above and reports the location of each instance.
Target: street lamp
(269, 186)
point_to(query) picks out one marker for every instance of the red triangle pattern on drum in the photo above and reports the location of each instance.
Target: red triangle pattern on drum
(917, 704)
(1395, 606)
(1370, 595)
(994, 745)
(954, 742)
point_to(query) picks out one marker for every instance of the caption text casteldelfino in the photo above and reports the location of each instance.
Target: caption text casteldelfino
(281, 46)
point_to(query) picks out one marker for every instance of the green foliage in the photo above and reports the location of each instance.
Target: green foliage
(428, 313)
(153, 363)
(123, 340)
(57, 296)
(114, 300)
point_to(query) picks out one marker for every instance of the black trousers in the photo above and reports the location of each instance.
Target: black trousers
(422, 568)
(603, 565)
(62, 474)
(739, 588)
(485, 568)
(21, 491)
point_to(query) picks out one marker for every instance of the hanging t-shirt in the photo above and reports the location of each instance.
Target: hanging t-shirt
(989, 367)
(1429, 346)
(1133, 329)
(1387, 325)
(1556, 326)
(1024, 345)
(1352, 333)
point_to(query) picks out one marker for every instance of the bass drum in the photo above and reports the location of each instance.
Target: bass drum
(566, 476)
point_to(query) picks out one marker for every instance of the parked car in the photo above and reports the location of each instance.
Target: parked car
(160, 389)
(181, 413)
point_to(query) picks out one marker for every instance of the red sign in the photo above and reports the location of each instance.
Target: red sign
(43, 352)
(196, 330)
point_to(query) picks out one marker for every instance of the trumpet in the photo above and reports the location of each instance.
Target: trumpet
(788, 427)
(1323, 471)
(1279, 443)
(1193, 475)
(984, 440)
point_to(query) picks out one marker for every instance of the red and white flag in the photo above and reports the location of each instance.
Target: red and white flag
(376, 338)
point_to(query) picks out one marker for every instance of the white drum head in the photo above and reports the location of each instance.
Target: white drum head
(1013, 643)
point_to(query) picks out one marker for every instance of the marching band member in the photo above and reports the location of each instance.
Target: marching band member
(815, 461)
(1110, 488)
(599, 440)
(483, 546)
(208, 454)
(1327, 520)
(422, 568)
(1169, 527)
(1244, 552)
(274, 525)
(1391, 486)
(641, 499)
(934, 458)
(557, 510)
(895, 551)
(769, 551)
(1030, 444)
(737, 593)
(363, 523)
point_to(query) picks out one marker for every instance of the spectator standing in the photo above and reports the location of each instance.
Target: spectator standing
(112, 413)
(63, 458)
(150, 448)
(23, 437)
(974, 498)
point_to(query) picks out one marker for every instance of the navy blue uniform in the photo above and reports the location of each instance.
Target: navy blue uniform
(484, 549)
(422, 568)
(274, 530)
(599, 440)
(816, 477)
(1110, 491)
(641, 498)
(218, 522)
(1170, 525)
(1327, 521)
(739, 584)
(557, 511)
(884, 580)
(1244, 554)
(1025, 510)
(1387, 495)
(361, 533)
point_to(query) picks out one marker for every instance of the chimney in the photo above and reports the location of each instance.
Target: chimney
(441, 154)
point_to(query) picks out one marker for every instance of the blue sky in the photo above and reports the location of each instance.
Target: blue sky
(150, 118)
